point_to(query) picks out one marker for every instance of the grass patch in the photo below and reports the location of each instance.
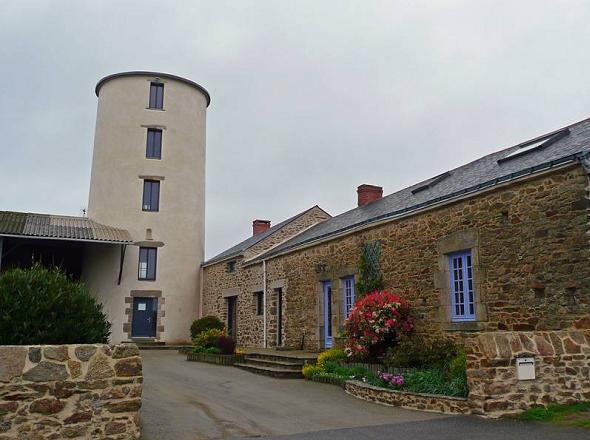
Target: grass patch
(576, 414)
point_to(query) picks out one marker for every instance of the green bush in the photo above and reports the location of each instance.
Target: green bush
(331, 355)
(44, 306)
(311, 370)
(208, 338)
(205, 323)
(415, 351)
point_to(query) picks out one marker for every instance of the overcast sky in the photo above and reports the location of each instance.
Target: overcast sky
(309, 98)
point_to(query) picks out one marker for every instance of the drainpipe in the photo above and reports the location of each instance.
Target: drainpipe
(264, 302)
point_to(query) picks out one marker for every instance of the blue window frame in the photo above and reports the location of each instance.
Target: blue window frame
(156, 96)
(151, 195)
(153, 149)
(348, 284)
(462, 294)
(148, 258)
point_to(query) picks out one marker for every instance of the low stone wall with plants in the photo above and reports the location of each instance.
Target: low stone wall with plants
(423, 402)
(70, 391)
(561, 366)
(218, 359)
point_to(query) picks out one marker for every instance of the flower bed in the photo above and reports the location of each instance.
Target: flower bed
(218, 359)
(405, 399)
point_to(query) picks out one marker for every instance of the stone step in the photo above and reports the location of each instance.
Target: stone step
(273, 363)
(280, 373)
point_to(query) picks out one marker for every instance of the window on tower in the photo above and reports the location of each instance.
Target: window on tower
(154, 144)
(147, 263)
(156, 95)
(151, 195)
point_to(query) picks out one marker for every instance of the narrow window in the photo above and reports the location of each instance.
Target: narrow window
(462, 296)
(156, 95)
(154, 144)
(151, 195)
(231, 266)
(348, 295)
(147, 263)
(259, 303)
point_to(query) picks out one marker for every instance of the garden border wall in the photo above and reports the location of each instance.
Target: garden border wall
(70, 391)
(405, 399)
(218, 359)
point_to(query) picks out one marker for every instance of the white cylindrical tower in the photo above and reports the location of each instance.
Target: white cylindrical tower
(148, 176)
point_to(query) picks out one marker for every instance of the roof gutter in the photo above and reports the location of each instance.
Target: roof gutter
(582, 157)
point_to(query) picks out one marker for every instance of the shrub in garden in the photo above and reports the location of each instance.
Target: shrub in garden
(332, 355)
(44, 306)
(416, 351)
(375, 322)
(205, 323)
(310, 370)
(208, 338)
(225, 344)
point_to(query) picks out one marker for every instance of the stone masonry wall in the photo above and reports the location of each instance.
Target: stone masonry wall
(530, 247)
(562, 368)
(420, 401)
(70, 391)
(247, 280)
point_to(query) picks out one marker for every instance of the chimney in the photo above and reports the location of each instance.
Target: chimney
(259, 226)
(368, 194)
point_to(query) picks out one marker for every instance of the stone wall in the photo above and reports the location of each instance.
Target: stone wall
(70, 391)
(247, 280)
(423, 402)
(562, 369)
(531, 252)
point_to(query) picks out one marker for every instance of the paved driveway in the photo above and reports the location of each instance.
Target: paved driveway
(190, 400)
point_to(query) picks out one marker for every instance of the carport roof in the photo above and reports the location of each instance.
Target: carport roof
(59, 227)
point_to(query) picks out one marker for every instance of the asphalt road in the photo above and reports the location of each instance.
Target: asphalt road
(191, 400)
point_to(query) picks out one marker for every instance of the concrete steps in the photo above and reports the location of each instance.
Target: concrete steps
(279, 365)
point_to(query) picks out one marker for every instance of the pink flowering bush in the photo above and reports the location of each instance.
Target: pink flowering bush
(374, 323)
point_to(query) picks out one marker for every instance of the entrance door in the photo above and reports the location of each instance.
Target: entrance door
(232, 316)
(145, 312)
(279, 317)
(327, 314)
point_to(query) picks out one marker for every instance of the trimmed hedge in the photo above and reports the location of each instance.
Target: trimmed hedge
(44, 306)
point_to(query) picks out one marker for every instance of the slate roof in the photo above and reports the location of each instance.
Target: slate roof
(243, 246)
(59, 227)
(480, 174)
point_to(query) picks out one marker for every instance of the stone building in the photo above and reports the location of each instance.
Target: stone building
(235, 286)
(498, 244)
(140, 246)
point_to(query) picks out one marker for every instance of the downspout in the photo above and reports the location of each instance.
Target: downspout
(264, 302)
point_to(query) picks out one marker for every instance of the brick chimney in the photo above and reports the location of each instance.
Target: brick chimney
(259, 226)
(368, 193)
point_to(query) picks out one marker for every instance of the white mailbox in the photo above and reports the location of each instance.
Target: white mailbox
(525, 368)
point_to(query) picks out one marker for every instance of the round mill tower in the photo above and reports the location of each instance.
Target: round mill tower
(148, 177)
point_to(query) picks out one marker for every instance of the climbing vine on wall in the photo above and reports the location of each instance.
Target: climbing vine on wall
(370, 276)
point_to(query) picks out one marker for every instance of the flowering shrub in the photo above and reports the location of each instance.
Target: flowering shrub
(208, 338)
(375, 321)
(393, 380)
(332, 355)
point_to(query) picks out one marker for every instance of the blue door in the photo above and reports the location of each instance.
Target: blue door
(144, 317)
(327, 287)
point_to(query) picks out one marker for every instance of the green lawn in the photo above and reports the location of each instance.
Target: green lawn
(577, 414)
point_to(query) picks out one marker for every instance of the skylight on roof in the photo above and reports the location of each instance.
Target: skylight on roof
(536, 144)
(431, 182)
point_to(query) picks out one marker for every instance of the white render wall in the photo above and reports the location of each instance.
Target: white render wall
(116, 190)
